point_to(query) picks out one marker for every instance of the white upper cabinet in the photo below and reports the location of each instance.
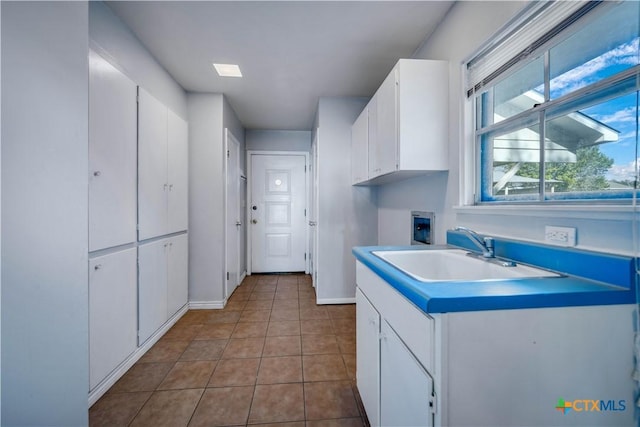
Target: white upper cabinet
(112, 156)
(178, 160)
(359, 154)
(162, 169)
(409, 134)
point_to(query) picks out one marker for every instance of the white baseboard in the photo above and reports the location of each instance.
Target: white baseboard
(117, 373)
(206, 305)
(322, 301)
(242, 276)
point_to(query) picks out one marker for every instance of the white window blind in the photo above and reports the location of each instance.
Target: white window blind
(534, 26)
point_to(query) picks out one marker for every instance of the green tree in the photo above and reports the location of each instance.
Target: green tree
(586, 174)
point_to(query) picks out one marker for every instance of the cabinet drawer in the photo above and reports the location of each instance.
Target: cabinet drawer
(414, 327)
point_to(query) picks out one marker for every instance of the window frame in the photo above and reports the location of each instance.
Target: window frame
(590, 95)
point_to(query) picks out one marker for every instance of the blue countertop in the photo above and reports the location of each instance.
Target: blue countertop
(569, 290)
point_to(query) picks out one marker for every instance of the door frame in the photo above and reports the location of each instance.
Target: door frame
(230, 138)
(250, 153)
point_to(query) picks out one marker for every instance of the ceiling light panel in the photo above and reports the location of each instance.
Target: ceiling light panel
(228, 70)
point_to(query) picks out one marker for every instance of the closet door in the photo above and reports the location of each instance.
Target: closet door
(153, 184)
(112, 156)
(112, 312)
(152, 288)
(177, 274)
(178, 160)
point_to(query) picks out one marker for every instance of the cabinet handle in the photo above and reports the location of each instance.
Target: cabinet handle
(97, 267)
(170, 187)
(166, 186)
(382, 336)
(97, 173)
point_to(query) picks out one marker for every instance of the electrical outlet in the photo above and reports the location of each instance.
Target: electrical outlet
(561, 236)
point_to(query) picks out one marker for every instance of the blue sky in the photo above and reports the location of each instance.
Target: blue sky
(619, 113)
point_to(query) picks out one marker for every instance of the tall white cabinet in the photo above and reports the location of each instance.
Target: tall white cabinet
(162, 169)
(138, 220)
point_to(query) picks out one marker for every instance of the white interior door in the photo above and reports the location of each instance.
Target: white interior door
(278, 213)
(233, 221)
(313, 217)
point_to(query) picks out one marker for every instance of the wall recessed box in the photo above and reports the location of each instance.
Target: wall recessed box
(403, 131)
(422, 224)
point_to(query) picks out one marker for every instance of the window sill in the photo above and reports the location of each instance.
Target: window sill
(596, 212)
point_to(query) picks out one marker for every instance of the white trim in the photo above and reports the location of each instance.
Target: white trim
(308, 189)
(117, 373)
(595, 212)
(242, 277)
(207, 305)
(336, 301)
(229, 138)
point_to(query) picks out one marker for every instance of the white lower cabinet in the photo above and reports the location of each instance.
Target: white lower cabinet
(491, 367)
(368, 356)
(405, 387)
(112, 312)
(162, 286)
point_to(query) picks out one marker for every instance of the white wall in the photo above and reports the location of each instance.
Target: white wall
(208, 114)
(279, 140)
(113, 40)
(347, 214)
(45, 349)
(465, 28)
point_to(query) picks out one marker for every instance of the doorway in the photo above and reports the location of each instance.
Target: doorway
(233, 213)
(277, 214)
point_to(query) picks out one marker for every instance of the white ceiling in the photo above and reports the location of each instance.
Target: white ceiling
(290, 52)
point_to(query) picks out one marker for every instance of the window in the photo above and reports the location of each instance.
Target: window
(556, 108)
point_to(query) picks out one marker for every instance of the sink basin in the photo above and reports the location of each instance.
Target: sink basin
(453, 265)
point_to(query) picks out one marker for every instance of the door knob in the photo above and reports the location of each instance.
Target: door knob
(254, 221)
(312, 223)
(238, 223)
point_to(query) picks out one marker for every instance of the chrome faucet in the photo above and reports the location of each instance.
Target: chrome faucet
(484, 244)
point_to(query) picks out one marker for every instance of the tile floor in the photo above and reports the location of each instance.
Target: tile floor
(271, 356)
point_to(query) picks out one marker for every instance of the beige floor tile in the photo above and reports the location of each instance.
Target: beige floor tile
(277, 403)
(278, 314)
(266, 280)
(261, 295)
(326, 400)
(347, 343)
(183, 332)
(344, 326)
(193, 317)
(235, 372)
(255, 316)
(170, 408)
(236, 305)
(204, 350)
(259, 305)
(142, 377)
(282, 346)
(250, 330)
(281, 328)
(336, 422)
(292, 294)
(314, 313)
(319, 344)
(278, 370)
(324, 367)
(316, 327)
(350, 364)
(342, 311)
(188, 375)
(224, 316)
(285, 304)
(117, 409)
(215, 331)
(164, 351)
(223, 407)
(243, 348)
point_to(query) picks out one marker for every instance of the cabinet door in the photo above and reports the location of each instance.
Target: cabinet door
(368, 357)
(178, 160)
(359, 148)
(177, 274)
(112, 312)
(387, 133)
(405, 387)
(152, 288)
(153, 184)
(112, 156)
